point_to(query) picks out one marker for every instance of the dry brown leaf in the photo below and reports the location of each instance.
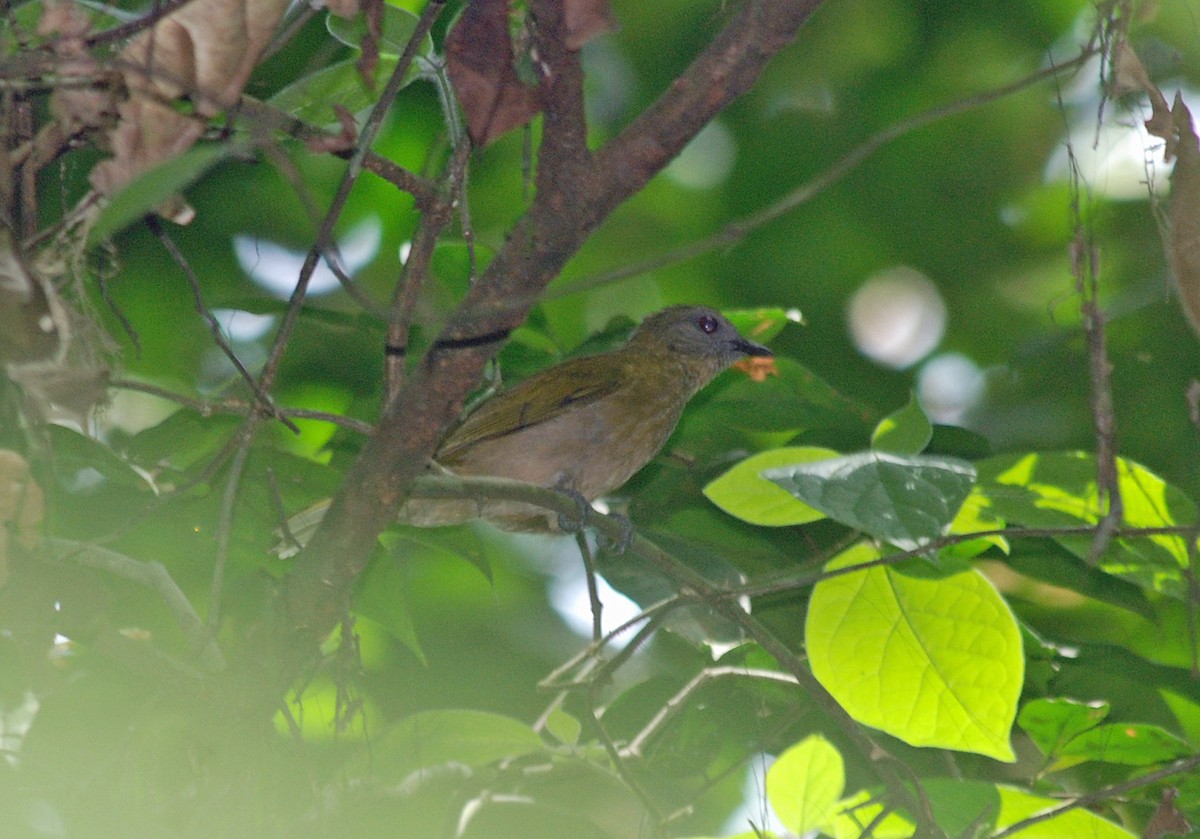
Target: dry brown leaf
(479, 56)
(33, 326)
(205, 50)
(22, 507)
(1184, 213)
(585, 19)
(1173, 125)
(368, 60)
(345, 8)
(336, 142)
(1167, 820)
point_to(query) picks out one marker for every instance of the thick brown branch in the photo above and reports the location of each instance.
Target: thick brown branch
(575, 192)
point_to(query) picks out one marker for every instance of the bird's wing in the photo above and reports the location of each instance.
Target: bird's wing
(537, 399)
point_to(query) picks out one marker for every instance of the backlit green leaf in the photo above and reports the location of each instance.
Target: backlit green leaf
(1059, 489)
(805, 783)
(931, 656)
(744, 493)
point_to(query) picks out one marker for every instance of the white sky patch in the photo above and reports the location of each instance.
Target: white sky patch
(276, 268)
(706, 161)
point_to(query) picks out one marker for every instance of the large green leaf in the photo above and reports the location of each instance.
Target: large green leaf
(312, 97)
(744, 493)
(805, 783)
(903, 500)
(1059, 489)
(930, 656)
(764, 323)
(382, 596)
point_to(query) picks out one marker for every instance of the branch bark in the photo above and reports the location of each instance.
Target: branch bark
(576, 191)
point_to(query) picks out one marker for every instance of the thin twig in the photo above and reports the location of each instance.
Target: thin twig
(126, 30)
(240, 407)
(593, 589)
(1085, 269)
(324, 236)
(214, 326)
(416, 270)
(1101, 795)
(237, 468)
(672, 706)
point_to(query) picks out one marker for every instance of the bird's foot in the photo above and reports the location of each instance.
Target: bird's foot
(621, 544)
(567, 523)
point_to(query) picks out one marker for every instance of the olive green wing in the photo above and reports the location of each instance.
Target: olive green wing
(537, 399)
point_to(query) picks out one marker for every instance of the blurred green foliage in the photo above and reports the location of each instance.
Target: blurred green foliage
(419, 724)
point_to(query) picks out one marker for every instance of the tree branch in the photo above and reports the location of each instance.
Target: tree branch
(575, 192)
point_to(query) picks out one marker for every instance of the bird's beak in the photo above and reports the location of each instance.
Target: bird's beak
(750, 348)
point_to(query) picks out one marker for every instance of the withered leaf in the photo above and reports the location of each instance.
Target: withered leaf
(207, 50)
(1184, 212)
(479, 57)
(585, 19)
(1167, 820)
(1172, 124)
(33, 326)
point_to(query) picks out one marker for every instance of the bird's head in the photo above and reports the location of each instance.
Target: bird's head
(699, 338)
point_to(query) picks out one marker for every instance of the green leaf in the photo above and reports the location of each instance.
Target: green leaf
(931, 656)
(1050, 723)
(1059, 490)
(82, 462)
(152, 187)
(762, 324)
(437, 738)
(744, 493)
(862, 809)
(181, 441)
(975, 516)
(312, 97)
(564, 727)
(961, 807)
(381, 596)
(904, 500)
(795, 400)
(396, 30)
(805, 783)
(906, 431)
(1017, 805)
(1129, 744)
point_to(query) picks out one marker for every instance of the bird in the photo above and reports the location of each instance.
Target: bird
(585, 425)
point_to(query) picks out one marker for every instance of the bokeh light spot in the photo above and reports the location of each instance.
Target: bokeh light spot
(897, 317)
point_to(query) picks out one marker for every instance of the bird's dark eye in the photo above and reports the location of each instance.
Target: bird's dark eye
(708, 324)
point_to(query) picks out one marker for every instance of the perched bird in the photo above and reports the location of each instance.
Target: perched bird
(585, 425)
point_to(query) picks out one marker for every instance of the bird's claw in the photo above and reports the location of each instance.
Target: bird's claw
(565, 522)
(621, 544)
